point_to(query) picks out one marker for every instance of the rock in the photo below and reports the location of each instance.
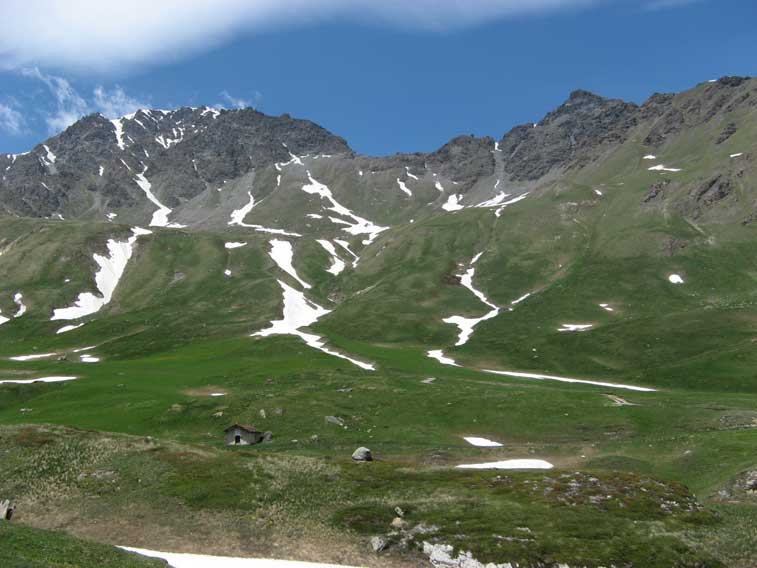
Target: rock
(399, 512)
(267, 437)
(362, 454)
(399, 523)
(6, 510)
(278, 412)
(378, 543)
(334, 420)
(262, 413)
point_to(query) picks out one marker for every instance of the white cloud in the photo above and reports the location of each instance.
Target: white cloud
(116, 102)
(114, 36)
(231, 101)
(10, 119)
(70, 106)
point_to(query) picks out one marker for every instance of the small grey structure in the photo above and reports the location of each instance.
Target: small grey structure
(241, 435)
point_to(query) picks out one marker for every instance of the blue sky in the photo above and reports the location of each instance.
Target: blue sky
(388, 79)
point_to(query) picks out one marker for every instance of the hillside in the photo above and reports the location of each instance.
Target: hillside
(582, 290)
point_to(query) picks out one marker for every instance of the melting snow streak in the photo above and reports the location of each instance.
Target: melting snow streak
(300, 312)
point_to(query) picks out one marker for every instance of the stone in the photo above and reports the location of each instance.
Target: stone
(362, 454)
(334, 420)
(378, 543)
(267, 437)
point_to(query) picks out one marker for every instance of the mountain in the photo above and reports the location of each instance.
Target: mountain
(582, 289)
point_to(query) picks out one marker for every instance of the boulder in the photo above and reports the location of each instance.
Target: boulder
(267, 437)
(334, 420)
(362, 454)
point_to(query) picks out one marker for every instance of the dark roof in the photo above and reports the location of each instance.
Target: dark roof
(244, 427)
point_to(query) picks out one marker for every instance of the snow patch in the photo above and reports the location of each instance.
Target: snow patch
(481, 442)
(575, 326)
(119, 131)
(39, 380)
(453, 203)
(32, 357)
(18, 299)
(177, 560)
(404, 187)
(234, 245)
(282, 254)
(662, 168)
(300, 312)
(438, 354)
(337, 264)
(467, 325)
(649, 157)
(160, 217)
(737, 155)
(238, 215)
(509, 464)
(106, 279)
(568, 380)
(358, 226)
(67, 328)
(675, 279)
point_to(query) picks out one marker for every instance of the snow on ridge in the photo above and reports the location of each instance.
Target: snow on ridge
(106, 279)
(49, 156)
(404, 187)
(337, 264)
(119, 131)
(438, 354)
(453, 203)
(540, 377)
(282, 254)
(300, 312)
(359, 226)
(159, 217)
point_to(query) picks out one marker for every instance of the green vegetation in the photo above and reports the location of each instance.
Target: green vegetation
(27, 547)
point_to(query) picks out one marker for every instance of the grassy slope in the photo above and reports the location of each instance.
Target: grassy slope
(27, 547)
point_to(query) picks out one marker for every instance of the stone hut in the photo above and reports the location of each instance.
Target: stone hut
(241, 435)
